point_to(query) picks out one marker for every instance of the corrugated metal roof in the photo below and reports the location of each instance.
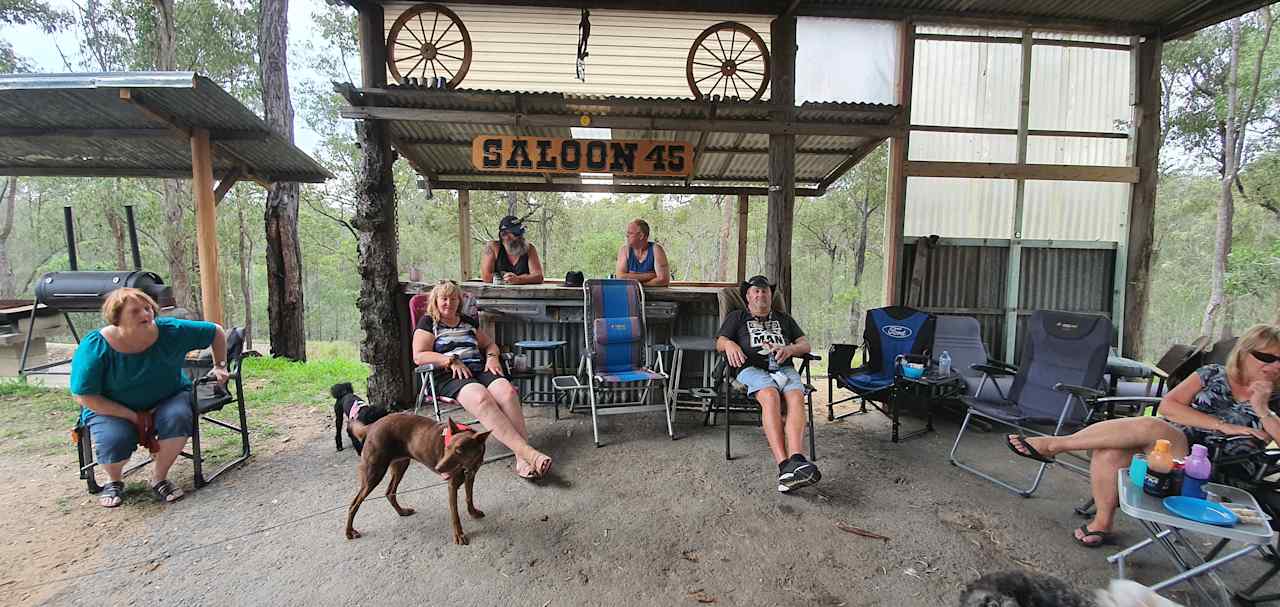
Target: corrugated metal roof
(442, 150)
(78, 124)
(1170, 18)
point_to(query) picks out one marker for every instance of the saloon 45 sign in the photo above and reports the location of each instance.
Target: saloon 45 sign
(553, 155)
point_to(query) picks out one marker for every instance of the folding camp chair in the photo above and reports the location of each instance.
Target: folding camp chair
(961, 337)
(615, 355)
(1254, 472)
(733, 395)
(207, 397)
(887, 334)
(426, 373)
(1058, 384)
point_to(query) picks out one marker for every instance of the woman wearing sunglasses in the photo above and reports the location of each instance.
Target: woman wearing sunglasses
(1236, 399)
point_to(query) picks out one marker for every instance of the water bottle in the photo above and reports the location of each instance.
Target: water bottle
(944, 363)
(1196, 471)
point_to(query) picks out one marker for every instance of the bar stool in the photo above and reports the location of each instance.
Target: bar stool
(691, 343)
(554, 350)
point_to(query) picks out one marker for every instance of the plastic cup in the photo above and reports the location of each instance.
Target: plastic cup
(1138, 470)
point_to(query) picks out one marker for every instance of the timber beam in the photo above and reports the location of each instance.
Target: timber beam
(639, 123)
(1009, 170)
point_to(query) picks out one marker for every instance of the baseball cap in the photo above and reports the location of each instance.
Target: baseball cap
(512, 224)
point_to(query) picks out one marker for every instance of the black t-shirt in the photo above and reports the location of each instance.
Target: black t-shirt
(459, 339)
(752, 333)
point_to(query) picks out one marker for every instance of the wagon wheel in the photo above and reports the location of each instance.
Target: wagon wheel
(728, 59)
(427, 41)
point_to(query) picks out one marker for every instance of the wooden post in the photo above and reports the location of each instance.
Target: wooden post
(464, 233)
(744, 207)
(895, 207)
(383, 310)
(782, 156)
(206, 225)
(1013, 277)
(1142, 201)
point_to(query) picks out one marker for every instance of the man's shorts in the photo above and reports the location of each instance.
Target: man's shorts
(756, 379)
(115, 438)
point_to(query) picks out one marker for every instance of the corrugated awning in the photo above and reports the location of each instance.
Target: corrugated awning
(137, 124)
(1167, 18)
(433, 129)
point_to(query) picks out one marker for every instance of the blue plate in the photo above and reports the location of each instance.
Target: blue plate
(1201, 511)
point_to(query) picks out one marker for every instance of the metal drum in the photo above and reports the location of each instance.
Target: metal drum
(85, 291)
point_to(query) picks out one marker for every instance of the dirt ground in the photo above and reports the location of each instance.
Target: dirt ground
(641, 521)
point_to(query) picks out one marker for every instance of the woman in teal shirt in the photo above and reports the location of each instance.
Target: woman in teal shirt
(128, 377)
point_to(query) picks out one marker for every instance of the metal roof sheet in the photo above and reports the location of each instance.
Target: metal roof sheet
(441, 150)
(79, 125)
(1168, 18)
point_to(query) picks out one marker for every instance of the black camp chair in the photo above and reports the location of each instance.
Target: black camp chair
(207, 398)
(1058, 384)
(888, 334)
(733, 395)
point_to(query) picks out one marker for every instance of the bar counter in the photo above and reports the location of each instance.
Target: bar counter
(551, 311)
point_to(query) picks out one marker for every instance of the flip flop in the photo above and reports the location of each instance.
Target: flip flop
(1030, 453)
(1103, 537)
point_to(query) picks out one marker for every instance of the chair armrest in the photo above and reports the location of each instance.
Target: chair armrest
(427, 368)
(992, 370)
(1150, 400)
(1080, 391)
(841, 358)
(662, 347)
(809, 356)
(1000, 363)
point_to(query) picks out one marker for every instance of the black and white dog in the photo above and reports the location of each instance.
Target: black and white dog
(358, 413)
(1026, 589)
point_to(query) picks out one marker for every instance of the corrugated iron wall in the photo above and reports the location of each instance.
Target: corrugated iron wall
(972, 84)
(535, 48)
(970, 280)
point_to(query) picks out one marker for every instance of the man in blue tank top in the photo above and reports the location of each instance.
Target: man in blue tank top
(642, 259)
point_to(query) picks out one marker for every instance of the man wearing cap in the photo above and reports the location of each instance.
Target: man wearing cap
(759, 342)
(642, 259)
(510, 257)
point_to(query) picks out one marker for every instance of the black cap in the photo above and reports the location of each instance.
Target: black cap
(755, 281)
(512, 224)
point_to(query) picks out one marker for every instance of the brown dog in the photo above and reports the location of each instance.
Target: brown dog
(454, 451)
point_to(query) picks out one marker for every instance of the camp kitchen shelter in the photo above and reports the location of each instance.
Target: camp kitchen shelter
(1024, 133)
(147, 124)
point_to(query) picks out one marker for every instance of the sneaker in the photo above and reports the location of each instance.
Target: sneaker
(803, 474)
(786, 475)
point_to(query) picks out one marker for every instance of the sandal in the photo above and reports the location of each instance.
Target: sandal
(166, 491)
(112, 494)
(1104, 537)
(1030, 453)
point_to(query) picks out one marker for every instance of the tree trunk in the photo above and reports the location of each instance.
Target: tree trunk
(728, 211)
(7, 287)
(117, 235)
(1226, 210)
(864, 231)
(246, 285)
(375, 220)
(285, 308)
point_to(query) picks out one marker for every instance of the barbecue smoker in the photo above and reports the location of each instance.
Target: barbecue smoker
(77, 291)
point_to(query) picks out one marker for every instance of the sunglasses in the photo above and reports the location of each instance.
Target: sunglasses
(446, 281)
(1265, 358)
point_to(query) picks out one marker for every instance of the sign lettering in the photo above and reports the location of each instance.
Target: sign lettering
(555, 155)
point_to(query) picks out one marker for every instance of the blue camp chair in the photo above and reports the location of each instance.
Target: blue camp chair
(887, 334)
(615, 353)
(1057, 385)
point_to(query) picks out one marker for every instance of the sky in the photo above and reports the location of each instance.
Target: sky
(46, 51)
